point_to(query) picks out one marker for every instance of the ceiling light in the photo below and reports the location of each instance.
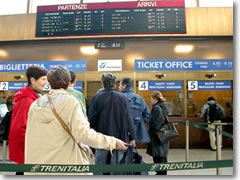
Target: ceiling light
(59, 58)
(183, 48)
(3, 53)
(88, 50)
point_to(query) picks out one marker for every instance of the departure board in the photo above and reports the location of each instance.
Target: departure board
(119, 18)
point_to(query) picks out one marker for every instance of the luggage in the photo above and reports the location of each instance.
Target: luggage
(131, 156)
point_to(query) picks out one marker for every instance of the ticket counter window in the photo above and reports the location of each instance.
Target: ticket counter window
(175, 101)
(196, 99)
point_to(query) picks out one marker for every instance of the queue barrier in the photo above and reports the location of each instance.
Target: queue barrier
(218, 132)
(136, 167)
(119, 168)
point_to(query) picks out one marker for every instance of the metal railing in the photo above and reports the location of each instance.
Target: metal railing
(217, 130)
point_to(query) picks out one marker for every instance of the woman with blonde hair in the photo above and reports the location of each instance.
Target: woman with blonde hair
(159, 116)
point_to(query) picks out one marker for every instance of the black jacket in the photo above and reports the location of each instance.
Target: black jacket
(109, 112)
(159, 116)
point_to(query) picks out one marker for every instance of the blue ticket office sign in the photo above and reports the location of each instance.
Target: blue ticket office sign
(209, 85)
(160, 85)
(184, 65)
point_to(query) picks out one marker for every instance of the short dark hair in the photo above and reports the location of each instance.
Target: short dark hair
(73, 76)
(35, 72)
(127, 81)
(211, 98)
(59, 77)
(108, 80)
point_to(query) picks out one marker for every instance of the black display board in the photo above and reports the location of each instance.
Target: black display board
(122, 18)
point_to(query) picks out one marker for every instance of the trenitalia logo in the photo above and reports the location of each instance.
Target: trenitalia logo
(103, 65)
(110, 65)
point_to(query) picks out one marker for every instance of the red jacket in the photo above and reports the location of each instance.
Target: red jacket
(23, 100)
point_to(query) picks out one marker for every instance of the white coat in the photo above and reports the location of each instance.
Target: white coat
(46, 140)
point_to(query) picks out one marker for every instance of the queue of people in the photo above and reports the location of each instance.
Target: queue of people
(113, 121)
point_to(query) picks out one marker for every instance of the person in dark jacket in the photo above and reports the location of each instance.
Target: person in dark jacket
(109, 112)
(205, 114)
(140, 111)
(159, 116)
(37, 79)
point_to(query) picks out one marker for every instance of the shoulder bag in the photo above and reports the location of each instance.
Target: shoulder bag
(87, 152)
(167, 132)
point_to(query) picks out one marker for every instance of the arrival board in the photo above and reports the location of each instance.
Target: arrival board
(120, 18)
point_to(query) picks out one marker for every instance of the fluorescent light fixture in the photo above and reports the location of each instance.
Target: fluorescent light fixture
(88, 50)
(183, 48)
(214, 56)
(59, 58)
(3, 53)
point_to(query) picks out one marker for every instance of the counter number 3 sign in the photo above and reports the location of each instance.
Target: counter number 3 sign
(192, 85)
(143, 85)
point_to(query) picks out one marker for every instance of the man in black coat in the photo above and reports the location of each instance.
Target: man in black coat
(109, 112)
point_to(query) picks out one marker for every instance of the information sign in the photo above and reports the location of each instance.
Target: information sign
(118, 18)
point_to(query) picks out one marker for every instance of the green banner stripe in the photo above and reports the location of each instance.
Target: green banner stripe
(226, 134)
(206, 123)
(203, 123)
(204, 128)
(213, 130)
(115, 168)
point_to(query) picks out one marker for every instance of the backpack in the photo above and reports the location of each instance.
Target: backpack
(214, 112)
(136, 108)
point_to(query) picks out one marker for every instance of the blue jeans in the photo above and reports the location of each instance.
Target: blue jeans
(101, 157)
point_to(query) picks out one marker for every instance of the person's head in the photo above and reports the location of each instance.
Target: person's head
(59, 77)
(37, 77)
(108, 80)
(211, 99)
(73, 77)
(157, 97)
(125, 83)
(9, 100)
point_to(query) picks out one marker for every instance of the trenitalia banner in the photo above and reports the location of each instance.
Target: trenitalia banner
(184, 65)
(76, 66)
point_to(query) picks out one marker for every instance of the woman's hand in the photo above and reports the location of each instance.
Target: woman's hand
(121, 145)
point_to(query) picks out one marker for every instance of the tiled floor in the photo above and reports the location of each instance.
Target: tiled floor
(178, 155)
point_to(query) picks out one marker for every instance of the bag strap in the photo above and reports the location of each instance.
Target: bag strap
(65, 127)
(84, 108)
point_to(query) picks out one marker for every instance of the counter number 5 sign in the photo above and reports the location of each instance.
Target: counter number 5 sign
(4, 86)
(143, 85)
(192, 85)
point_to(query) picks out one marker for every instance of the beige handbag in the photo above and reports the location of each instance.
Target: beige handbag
(87, 152)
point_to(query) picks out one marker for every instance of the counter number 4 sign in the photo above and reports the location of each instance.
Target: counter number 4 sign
(4, 86)
(192, 85)
(143, 85)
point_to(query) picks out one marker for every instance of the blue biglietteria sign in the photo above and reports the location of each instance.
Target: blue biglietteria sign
(184, 65)
(76, 66)
(160, 85)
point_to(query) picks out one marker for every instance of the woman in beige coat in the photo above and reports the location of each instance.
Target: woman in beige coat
(46, 140)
